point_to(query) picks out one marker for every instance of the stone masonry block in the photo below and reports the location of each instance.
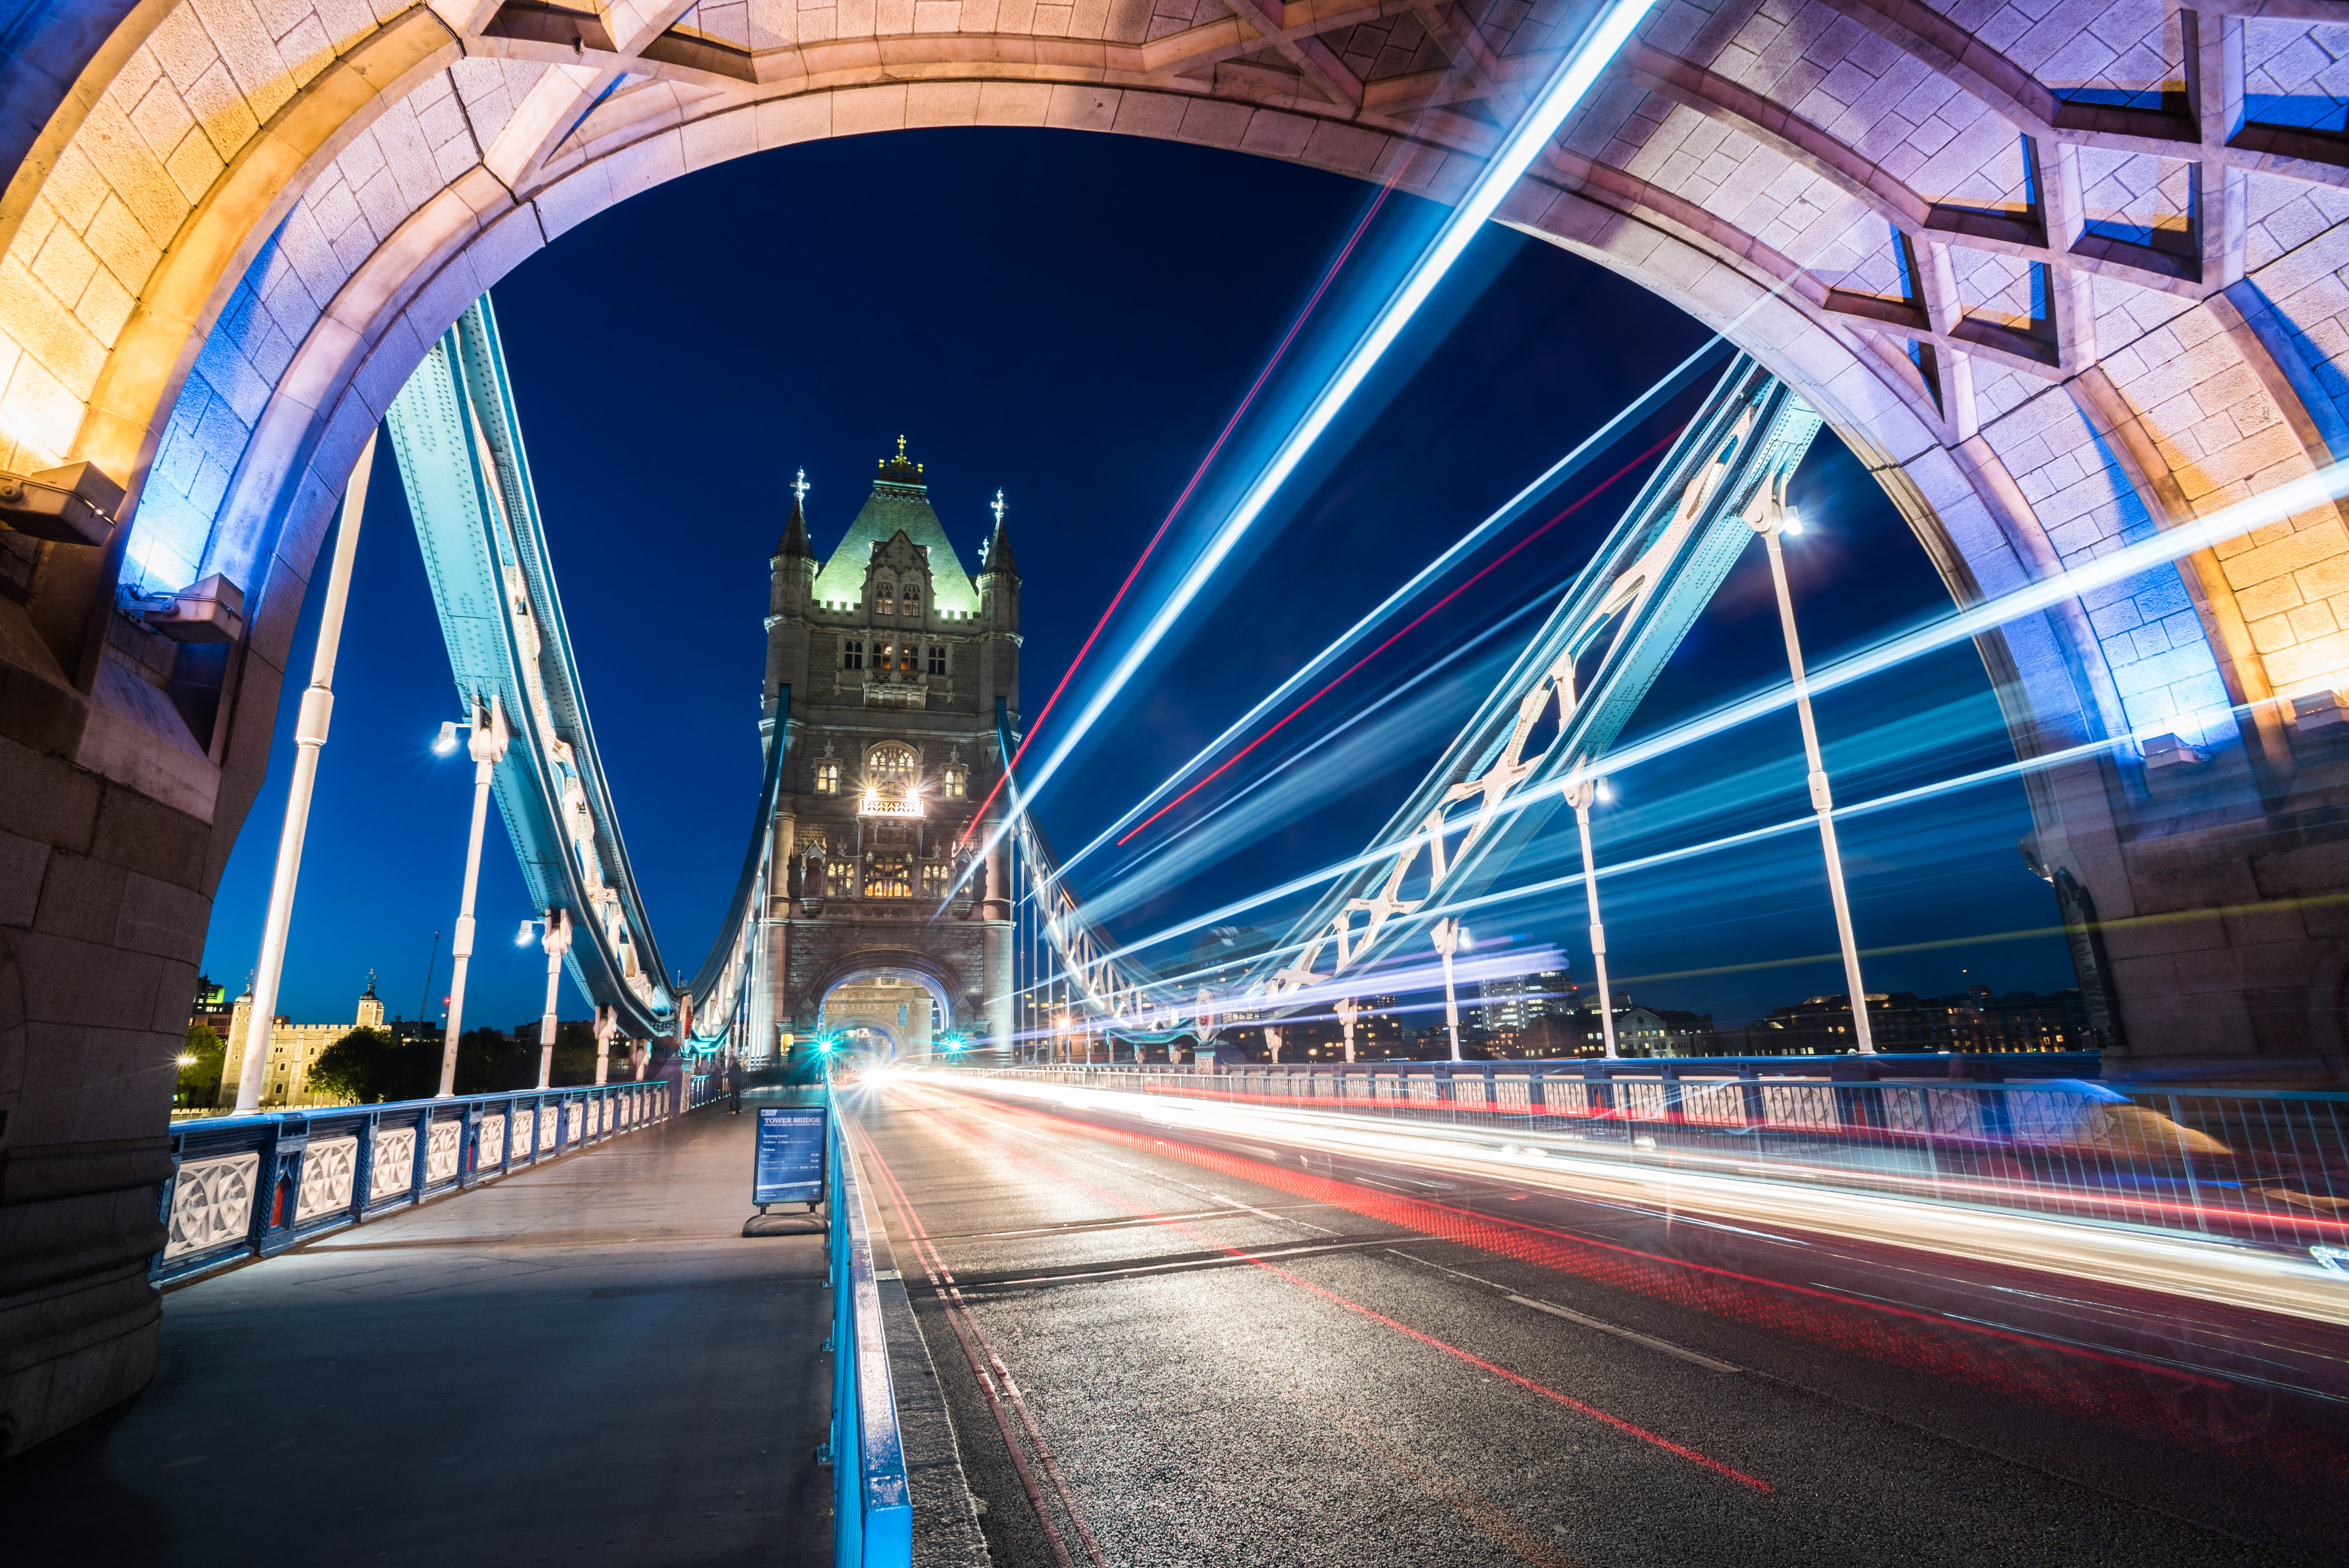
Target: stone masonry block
(23, 862)
(46, 800)
(159, 918)
(81, 899)
(145, 836)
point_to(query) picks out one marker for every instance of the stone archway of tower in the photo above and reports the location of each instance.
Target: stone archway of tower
(862, 972)
(2048, 324)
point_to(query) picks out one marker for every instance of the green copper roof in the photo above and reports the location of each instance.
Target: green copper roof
(895, 505)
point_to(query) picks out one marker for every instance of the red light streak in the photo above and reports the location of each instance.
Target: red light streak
(2144, 1397)
(1586, 497)
(1197, 474)
(1068, 1178)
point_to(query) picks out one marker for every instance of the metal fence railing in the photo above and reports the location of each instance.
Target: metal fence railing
(873, 1515)
(2270, 1168)
(250, 1186)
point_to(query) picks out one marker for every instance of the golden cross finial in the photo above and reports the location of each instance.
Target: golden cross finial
(900, 448)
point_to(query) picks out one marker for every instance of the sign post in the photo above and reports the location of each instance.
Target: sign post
(791, 1155)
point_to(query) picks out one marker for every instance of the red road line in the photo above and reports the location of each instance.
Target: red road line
(1413, 1214)
(959, 1317)
(1544, 1390)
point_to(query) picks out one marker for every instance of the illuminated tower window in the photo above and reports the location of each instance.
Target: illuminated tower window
(827, 778)
(934, 879)
(907, 654)
(956, 783)
(911, 604)
(889, 876)
(884, 600)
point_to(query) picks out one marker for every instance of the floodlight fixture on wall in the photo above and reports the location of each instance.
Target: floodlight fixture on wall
(73, 505)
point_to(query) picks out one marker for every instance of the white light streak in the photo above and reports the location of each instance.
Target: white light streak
(1517, 151)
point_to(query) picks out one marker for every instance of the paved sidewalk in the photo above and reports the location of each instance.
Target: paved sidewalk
(583, 1364)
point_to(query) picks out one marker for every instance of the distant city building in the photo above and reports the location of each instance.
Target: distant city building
(211, 1007)
(1974, 1019)
(1509, 1004)
(293, 1049)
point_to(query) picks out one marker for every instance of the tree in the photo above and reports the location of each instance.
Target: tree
(370, 1064)
(490, 1061)
(575, 1053)
(200, 1077)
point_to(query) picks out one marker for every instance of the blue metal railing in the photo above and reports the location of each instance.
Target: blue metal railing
(873, 1513)
(250, 1186)
(2018, 1132)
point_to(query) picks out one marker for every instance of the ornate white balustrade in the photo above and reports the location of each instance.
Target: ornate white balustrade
(249, 1186)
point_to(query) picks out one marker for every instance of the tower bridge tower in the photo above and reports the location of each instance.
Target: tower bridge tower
(895, 657)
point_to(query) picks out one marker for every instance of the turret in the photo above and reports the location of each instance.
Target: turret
(998, 578)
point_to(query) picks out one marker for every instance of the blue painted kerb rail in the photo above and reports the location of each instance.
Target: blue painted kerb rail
(873, 1510)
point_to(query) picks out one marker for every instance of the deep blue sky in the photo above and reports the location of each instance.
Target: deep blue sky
(1072, 317)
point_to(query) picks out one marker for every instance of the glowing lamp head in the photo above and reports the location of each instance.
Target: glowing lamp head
(187, 1061)
(1794, 524)
(521, 937)
(446, 741)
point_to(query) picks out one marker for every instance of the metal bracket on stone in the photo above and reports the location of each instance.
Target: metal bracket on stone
(72, 505)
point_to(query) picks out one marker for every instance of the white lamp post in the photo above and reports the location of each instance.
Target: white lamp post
(309, 739)
(1770, 518)
(1579, 795)
(1348, 1010)
(1451, 935)
(557, 941)
(486, 747)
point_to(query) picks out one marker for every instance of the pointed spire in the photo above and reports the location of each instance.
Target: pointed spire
(998, 548)
(795, 540)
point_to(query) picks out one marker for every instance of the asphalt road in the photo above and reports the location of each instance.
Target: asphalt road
(1196, 1349)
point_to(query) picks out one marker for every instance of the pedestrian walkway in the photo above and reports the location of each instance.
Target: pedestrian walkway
(586, 1363)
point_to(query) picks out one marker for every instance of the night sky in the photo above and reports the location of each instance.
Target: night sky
(1072, 317)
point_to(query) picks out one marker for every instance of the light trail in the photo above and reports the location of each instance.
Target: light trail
(1157, 866)
(1197, 474)
(1557, 99)
(1910, 796)
(2134, 1256)
(1409, 626)
(1669, 386)
(2322, 487)
(1062, 1176)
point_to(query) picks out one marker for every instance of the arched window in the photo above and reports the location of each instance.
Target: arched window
(908, 655)
(891, 766)
(827, 778)
(955, 783)
(910, 601)
(885, 599)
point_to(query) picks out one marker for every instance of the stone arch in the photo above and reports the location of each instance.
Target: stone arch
(214, 291)
(918, 969)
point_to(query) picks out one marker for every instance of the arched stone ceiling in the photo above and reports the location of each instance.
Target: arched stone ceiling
(2064, 272)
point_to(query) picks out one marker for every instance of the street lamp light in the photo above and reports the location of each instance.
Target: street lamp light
(1770, 517)
(486, 747)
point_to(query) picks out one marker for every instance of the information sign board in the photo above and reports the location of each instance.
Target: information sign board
(789, 1164)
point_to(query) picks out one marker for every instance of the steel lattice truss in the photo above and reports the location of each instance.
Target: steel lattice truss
(1547, 726)
(1566, 697)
